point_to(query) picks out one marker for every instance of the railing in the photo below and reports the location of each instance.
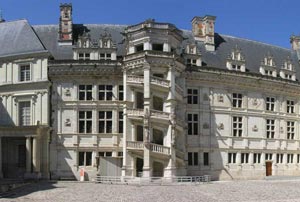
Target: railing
(135, 79)
(154, 80)
(160, 81)
(135, 145)
(159, 149)
(180, 180)
(159, 114)
(135, 112)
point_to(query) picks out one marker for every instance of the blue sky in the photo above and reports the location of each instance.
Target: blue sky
(269, 21)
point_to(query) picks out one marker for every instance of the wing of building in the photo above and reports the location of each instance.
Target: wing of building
(145, 100)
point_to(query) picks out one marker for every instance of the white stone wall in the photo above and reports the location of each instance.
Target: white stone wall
(66, 106)
(14, 91)
(218, 139)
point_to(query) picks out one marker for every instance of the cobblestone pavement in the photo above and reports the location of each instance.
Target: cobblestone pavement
(217, 191)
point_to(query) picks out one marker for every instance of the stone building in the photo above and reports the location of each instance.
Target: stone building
(145, 100)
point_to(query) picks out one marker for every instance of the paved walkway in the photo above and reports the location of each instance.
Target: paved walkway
(275, 191)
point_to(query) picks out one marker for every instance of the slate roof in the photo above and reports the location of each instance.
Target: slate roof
(20, 32)
(253, 51)
(49, 36)
(18, 37)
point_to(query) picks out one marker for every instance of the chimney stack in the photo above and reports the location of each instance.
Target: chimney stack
(295, 42)
(203, 29)
(65, 25)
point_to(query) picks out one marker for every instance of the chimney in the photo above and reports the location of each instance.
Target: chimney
(65, 25)
(203, 29)
(295, 42)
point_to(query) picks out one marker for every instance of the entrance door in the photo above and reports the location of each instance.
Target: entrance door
(139, 167)
(268, 168)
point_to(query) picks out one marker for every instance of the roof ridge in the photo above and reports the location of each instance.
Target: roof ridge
(11, 21)
(246, 39)
(254, 41)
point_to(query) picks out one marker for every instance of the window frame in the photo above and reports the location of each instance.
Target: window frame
(27, 76)
(193, 159)
(192, 96)
(85, 158)
(107, 93)
(270, 103)
(106, 120)
(270, 128)
(231, 158)
(86, 92)
(290, 106)
(256, 158)
(193, 123)
(86, 121)
(237, 100)
(290, 130)
(237, 126)
(24, 119)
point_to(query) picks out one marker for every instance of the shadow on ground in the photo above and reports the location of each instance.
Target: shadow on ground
(27, 188)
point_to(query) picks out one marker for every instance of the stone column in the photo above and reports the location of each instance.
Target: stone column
(1, 174)
(28, 155)
(147, 114)
(125, 92)
(36, 155)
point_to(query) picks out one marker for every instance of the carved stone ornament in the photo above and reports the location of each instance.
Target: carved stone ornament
(281, 129)
(255, 129)
(205, 97)
(67, 92)
(68, 123)
(254, 102)
(205, 126)
(221, 126)
(220, 98)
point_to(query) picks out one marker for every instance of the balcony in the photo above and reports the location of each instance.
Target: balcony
(135, 145)
(155, 148)
(154, 114)
(159, 149)
(162, 84)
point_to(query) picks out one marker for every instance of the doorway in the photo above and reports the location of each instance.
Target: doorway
(139, 167)
(268, 168)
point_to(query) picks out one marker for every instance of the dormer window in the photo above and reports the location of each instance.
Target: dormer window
(84, 56)
(193, 58)
(192, 62)
(268, 66)
(236, 61)
(287, 71)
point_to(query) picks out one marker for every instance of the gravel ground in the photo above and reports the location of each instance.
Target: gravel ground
(217, 191)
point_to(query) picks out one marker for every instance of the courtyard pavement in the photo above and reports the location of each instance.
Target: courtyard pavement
(280, 190)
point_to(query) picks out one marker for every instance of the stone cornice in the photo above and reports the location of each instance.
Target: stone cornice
(243, 80)
(77, 67)
(12, 57)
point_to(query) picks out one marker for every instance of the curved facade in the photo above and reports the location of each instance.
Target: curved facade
(146, 100)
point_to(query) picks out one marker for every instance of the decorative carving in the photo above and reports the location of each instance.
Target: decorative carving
(220, 98)
(205, 126)
(255, 129)
(281, 129)
(221, 126)
(206, 97)
(67, 92)
(254, 102)
(68, 123)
